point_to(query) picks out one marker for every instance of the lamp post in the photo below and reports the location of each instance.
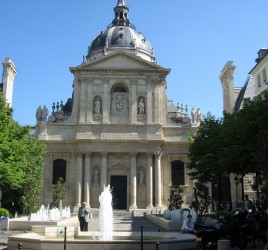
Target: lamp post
(237, 181)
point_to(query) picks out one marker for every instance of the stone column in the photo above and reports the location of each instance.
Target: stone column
(78, 178)
(89, 100)
(104, 167)
(105, 101)
(133, 101)
(87, 178)
(133, 181)
(158, 180)
(150, 181)
(82, 100)
(149, 109)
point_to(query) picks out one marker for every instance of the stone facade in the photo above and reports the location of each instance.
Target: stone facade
(9, 73)
(120, 131)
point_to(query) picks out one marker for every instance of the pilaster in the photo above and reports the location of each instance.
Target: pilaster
(89, 100)
(156, 100)
(150, 181)
(104, 166)
(82, 100)
(79, 156)
(87, 177)
(158, 178)
(133, 180)
(105, 100)
(149, 102)
(133, 101)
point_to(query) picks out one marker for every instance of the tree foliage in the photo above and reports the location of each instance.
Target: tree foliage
(201, 198)
(236, 143)
(175, 198)
(21, 158)
(205, 150)
(59, 193)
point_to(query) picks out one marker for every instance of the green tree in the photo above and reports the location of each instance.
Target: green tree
(205, 150)
(59, 193)
(236, 143)
(21, 158)
(201, 198)
(175, 198)
(33, 173)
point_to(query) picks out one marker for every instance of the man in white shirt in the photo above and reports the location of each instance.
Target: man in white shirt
(188, 225)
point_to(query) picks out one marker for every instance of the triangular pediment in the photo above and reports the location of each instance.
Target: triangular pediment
(120, 60)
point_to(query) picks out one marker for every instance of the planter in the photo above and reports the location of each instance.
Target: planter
(4, 224)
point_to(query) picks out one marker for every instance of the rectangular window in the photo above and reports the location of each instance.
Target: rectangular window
(264, 76)
(259, 80)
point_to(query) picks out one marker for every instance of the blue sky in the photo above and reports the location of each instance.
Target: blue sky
(194, 38)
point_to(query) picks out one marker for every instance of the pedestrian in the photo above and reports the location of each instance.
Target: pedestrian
(83, 215)
(188, 225)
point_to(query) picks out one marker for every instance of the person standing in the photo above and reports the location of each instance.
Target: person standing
(83, 214)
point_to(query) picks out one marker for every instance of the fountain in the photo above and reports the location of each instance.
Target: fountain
(51, 234)
(106, 215)
(54, 214)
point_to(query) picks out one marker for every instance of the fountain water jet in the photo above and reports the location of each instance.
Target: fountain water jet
(106, 215)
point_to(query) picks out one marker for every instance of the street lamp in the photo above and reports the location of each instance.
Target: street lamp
(237, 181)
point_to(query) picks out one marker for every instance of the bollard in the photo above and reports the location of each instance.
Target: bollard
(224, 245)
(141, 237)
(157, 245)
(65, 233)
(19, 246)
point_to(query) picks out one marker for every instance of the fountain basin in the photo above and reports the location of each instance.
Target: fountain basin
(85, 241)
(166, 224)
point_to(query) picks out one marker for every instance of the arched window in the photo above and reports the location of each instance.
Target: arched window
(177, 173)
(119, 88)
(59, 170)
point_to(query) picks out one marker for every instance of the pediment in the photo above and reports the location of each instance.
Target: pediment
(120, 60)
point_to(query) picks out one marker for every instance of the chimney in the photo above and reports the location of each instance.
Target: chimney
(261, 54)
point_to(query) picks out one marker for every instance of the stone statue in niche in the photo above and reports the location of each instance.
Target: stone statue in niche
(96, 176)
(141, 107)
(97, 106)
(141, 176)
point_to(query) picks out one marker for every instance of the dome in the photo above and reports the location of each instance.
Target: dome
(121, 34)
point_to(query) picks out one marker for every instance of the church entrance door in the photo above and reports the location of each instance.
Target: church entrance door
(119, 191)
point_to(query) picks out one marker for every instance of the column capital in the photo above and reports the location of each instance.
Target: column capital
(104, 153)
(89, 153)
(133, 154)
(133, 80)
(106, 79)
(79, 153)
(158, 154)
(90, 79)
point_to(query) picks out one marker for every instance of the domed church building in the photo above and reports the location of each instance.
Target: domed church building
(118, 128)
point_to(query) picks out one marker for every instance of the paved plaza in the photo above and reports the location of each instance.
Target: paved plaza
(123, 221)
